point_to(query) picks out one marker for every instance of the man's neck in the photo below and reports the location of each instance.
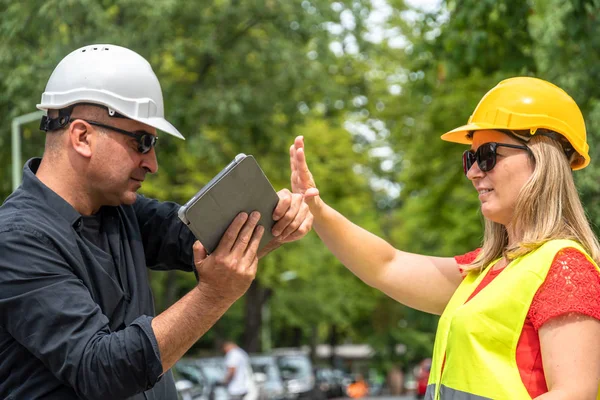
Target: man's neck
(63, 182)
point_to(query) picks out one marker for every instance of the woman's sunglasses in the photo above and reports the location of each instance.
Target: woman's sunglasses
(486, 156)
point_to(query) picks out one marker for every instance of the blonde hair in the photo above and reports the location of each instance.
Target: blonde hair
(548, 207)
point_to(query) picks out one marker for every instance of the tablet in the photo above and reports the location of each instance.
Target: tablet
(240, 187)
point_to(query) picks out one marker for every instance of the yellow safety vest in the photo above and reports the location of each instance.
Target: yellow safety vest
(479, 339)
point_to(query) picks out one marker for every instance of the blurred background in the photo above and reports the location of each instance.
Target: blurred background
(371, 84)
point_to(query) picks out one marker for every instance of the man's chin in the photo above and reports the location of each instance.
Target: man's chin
(129, 198)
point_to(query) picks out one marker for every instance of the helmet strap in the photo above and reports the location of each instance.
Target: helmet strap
(48, 124)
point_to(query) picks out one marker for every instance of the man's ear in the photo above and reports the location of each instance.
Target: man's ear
(81, 137)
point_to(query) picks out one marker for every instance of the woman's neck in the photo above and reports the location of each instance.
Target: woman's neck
(514, 237)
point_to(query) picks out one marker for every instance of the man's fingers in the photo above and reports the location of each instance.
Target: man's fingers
(232, 232)
(302, 230)
(290, 215)
(299, 218)
(199, 252)
(285, 200)
(245, 234)
(252, 248)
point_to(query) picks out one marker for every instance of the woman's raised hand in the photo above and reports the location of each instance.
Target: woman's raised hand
(302, 180)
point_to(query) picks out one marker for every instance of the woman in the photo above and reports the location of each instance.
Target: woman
(520, 316)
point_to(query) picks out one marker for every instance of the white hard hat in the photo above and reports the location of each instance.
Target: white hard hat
(111, 76)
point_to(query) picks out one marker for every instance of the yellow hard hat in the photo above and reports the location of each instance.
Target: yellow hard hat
(528, 104)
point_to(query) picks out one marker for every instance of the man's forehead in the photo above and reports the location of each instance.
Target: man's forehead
(101, 114)
(133, 125)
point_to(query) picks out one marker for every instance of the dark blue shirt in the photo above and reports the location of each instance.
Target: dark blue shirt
(74, 320)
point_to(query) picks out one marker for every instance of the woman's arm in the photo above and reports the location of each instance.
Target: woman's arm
(570, 347)
(422, 282)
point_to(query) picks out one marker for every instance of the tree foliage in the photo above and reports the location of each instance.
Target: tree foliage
(248, 76)
(236, 77)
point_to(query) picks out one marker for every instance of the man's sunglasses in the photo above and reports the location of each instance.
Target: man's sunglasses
(486, 156)
(145, 141)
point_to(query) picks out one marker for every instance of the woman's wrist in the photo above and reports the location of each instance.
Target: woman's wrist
(316, 206)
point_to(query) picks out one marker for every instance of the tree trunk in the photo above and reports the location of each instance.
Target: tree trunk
(333, 340)
(314, 339)
(255, 298)
(296, 336)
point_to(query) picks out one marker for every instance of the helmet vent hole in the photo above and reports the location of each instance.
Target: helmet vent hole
(83, 51)
(95, 48)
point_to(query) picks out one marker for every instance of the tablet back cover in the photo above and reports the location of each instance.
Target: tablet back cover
(243, 188)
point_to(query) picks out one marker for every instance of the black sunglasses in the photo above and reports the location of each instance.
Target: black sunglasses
(145, 141)
(486, 156)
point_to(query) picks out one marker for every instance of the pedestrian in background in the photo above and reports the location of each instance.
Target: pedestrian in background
(238, 378)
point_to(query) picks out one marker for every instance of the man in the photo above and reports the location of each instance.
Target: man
(238, 377)
(76, 311)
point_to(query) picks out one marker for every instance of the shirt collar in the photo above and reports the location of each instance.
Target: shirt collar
(32, 185)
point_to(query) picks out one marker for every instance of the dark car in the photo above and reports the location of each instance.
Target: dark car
(330, 382)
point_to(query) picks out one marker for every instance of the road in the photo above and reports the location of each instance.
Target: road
(410, 397)
(395, 398)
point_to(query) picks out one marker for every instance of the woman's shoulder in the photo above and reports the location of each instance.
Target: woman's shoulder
(467, 258)
(572, 261)
(571, 286)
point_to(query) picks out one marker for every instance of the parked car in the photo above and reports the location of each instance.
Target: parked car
(268, 377)
(297, 373)
(331, 382)
(189, 382)
(214, 370)
(206, 372)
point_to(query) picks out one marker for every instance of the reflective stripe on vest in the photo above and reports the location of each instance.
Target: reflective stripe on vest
(478, 339)
(447, 393)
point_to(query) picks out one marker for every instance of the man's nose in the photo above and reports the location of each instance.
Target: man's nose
(149, 161)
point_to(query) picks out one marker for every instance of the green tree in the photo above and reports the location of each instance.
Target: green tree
(236, 76)
(567, 49)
